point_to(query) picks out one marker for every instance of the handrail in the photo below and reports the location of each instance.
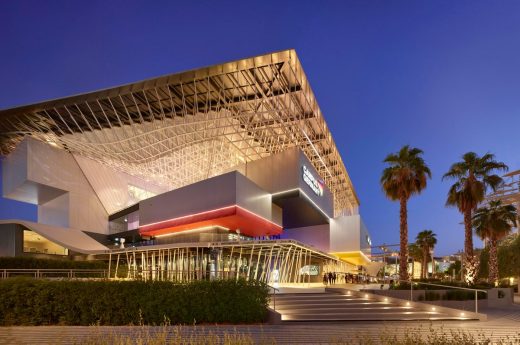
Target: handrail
(274, 295)
(53, 269)
(41, 272)
(448, 286)
(411, 282)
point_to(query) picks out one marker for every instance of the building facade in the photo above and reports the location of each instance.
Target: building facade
(224, 171)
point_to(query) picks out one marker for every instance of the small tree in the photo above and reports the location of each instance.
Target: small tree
(426, 240)
(415, 253)
(405, 176)
(454, 268)
(473, 176)
(493, 223)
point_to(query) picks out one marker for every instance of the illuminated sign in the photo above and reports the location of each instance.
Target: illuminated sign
(315, 184)
(312, 270)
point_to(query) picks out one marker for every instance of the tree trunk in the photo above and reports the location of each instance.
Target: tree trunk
(469, 262)
(468, 234)
(493, 261)
(403, 264)
(424, 264)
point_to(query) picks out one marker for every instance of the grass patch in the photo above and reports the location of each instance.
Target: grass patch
(179, 335)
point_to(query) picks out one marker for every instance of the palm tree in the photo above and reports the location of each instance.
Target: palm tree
(426, 240)
(415, 253)
(493, 223)
(473, 176)
(405, 175)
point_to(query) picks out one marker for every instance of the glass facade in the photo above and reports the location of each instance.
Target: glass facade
(37, 244)
(127, 222)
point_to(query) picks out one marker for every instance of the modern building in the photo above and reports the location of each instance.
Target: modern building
(223, 171)
(508, 192)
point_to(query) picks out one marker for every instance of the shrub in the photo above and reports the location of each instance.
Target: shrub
(418, 286)
(462, 295)
(28, 301)
(22, 262)
(431, 296)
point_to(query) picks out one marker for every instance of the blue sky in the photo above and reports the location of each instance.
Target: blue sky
(443, 76)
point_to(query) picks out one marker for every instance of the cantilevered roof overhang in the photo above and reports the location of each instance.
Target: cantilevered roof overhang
(185, 127)
(69, 238)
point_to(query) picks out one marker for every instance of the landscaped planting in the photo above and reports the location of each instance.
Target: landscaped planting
(386, 336)
(37, 263)
(26, 301)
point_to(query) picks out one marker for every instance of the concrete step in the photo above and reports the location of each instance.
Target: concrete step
(356, 307)
(321, 310)
(321, 298)
(327, 300)
(367, 317)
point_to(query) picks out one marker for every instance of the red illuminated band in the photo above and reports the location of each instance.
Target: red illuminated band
(187, 216)
(232, 217)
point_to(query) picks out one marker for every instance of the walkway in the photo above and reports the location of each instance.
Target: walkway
(293, 333)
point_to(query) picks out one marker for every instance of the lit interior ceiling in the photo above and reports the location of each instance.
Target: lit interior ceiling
(186, 127)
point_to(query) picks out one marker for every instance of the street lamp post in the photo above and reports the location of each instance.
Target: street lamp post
(395, 255)
(385, 250)
(433, 262)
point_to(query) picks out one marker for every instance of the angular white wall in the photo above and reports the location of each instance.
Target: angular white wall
(55, 211)
(349, 234)
(51, 178)
(317, 236)
(112, 186)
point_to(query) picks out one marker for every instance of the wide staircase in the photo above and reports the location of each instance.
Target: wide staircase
(353, 306)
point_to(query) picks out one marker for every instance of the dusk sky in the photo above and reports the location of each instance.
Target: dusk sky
(443, 76)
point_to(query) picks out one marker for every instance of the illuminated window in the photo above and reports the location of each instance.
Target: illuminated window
(37, 244)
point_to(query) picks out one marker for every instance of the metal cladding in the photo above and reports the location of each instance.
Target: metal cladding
(183, 128)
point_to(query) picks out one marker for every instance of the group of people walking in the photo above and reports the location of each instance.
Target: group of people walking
(331, 278)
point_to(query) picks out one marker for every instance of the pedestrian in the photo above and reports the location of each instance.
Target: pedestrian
(325, 278)
(330, 278)
(334, 277)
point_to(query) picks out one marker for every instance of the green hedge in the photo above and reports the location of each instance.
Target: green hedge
(461, 295)
(26, 301)
(451, 295)
(418, 286)
(29, 262)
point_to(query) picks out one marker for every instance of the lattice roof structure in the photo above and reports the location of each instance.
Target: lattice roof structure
(185, 127)
(509, 191)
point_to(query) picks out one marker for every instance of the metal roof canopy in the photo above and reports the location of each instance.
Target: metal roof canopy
(248, 246)
(183, 128)
(509, 191)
